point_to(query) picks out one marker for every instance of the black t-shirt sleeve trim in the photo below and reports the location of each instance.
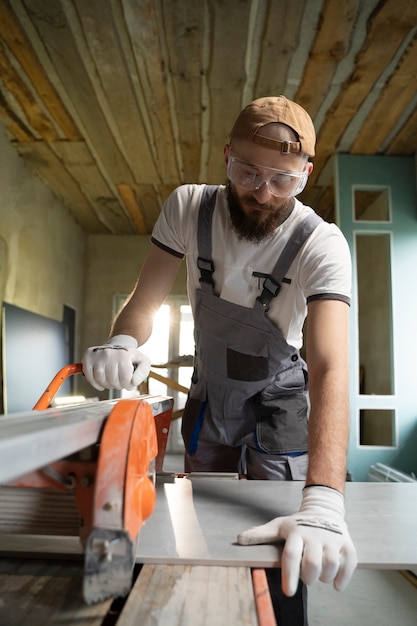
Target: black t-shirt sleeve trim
(329, 296)
(157, 243)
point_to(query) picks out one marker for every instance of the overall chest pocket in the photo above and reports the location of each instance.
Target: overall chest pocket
(243, 366)
(232, 348)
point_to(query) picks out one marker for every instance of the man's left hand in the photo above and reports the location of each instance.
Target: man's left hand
(317, 541)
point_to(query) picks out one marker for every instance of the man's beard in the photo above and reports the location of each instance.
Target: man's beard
(254, 227)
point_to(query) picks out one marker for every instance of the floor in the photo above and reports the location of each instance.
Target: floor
(373, 598)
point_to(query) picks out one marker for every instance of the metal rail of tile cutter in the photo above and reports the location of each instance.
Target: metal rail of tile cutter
(113, 483)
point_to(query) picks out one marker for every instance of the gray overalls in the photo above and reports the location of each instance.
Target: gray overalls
(248, 384)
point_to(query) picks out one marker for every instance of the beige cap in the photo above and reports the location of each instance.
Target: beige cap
(273, 109)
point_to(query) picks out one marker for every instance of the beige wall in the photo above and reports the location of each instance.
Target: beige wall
(42, 249)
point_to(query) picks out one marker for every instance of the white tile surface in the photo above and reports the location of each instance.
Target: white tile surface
(373, 598)
(197, 521)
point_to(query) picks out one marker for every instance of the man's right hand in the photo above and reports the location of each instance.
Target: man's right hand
(117, 364)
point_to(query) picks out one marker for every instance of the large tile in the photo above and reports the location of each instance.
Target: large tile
(373, 598)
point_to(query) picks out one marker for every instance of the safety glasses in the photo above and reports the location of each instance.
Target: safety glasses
(280, 183)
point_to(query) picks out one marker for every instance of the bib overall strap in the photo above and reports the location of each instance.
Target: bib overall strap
(204, 261)
(272, 283)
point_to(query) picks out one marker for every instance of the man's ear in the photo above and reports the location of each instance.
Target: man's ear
(226, 151)
(310, 167)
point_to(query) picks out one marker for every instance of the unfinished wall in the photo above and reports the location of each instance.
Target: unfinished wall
(41, 247)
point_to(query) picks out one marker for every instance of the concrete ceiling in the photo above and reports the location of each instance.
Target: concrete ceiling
(116, 102)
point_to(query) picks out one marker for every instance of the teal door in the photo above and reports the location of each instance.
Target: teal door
(376, 209)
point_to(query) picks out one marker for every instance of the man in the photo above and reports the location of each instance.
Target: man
(258, 260)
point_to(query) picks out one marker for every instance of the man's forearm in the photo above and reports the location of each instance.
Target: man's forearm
(154, 284)
(133, 322)
(329, 432)
(328, 373)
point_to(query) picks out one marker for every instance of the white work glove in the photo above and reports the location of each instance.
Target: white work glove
(317, 541)
(117, 364)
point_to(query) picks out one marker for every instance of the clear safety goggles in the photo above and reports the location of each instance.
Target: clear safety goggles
(280, 183)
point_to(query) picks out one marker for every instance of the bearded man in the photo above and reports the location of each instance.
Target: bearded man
(258, 262)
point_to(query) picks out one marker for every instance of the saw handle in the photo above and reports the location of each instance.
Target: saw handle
(55, 384)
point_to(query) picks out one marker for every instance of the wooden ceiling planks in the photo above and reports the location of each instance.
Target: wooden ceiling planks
(330, 47)
(22, 98)
(386, 30)
(149, 48)
(114, 88)
(60, 44)
(391, 105)
(130, 201)
(125, 99)
(80, 163)
(150, 201)
(19, 45)
(225, 75)
(280, 38)
(65, 45)
(13, 123)
(183, 26)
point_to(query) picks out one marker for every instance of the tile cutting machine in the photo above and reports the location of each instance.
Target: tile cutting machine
(106, 454)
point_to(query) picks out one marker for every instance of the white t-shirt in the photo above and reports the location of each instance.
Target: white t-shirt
(321, 270)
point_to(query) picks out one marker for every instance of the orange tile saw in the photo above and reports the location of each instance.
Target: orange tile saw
(113, 484)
